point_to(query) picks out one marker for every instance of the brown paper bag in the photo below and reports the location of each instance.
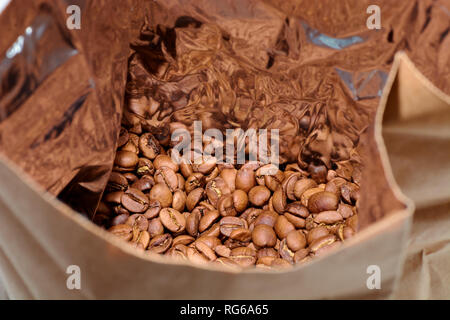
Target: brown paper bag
(40, 237)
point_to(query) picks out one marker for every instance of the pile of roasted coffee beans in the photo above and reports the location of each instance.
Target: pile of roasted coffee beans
(227, 214)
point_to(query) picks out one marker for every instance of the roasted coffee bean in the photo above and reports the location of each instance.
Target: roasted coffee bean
(138, 221)
(300, 255)
(266, 217)
(145, 167)
(123, 137)
(258, 195)
(196, 257)
(179, 200)
(226, 207)
(192, 223)
(245, 179)
(243, 256)
(322, 242)
(228, 224)
(267, 261)
(241, 234)
(308, 193)
(161, 193)
(206, 251)
(154, 207)
(131, 178)
(288, 185)
(318, 172)
(215, 189)
(194, 197)
(165, 161)
(213, 231)
(183, 239)
(296, 240)
(120, 219)
(229, 176)
(160, 243)
(285, 252)
(302, 185)
(196, 180)
(297, 209)
(205, 167)
(264, 236)
(114, 198)
(208, 219)
(279, 200)
(327, 249)
(350, 192)
(223, 251)
(240, 200)
(135, 201)
(145, 183)
(149, 146)
(283, 227)
(323, 201)
(117, 182)
(210, 241)
(172, 219)
(317, 233)
(167, 176)
(328, 217)
(123, 231)
(345, 210)
(186, 169)
(126, 159)
(155, 227)
(267, 252)
(296, 221)
(142, 240)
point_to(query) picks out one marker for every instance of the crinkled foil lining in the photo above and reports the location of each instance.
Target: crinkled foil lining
(248, 64)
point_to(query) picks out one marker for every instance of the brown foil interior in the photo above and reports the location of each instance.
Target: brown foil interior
(246, 63)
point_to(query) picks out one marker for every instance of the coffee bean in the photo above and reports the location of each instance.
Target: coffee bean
(267, 252)
(154, 207)
(145, 167)
(279, 200)
(145, 183)
(318, 172)
(123, 231)
(194, 198)
(206, 251)
(296, 221)
(222, 251)
(241, 234)
(258, 195)
(117, 182)
(138, 221)
(120, 219)
(328, 217)
(155, 227)
(323, 201)
(228, 224)
(285, 252)
(167, 176)
(300, 255)
(183, 239)
(161, 193)
(240, 200)
(264, 236)
(160, 243)
(225, 205)
(123, 137)
(165, 161)
(243, 256)
(126, 159)
(179, 200)
(229, 176)
(322, 242)
(196, 180)
(297, 209)
(345, 210)
(215, 189)
(149, 146)
(266, 217)
(172, 219)
(245, 180)
(296, 240)
(317, 233)
(192, 223)
(283, 227)
(208, 219)
(134, 200)
(302, 185)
